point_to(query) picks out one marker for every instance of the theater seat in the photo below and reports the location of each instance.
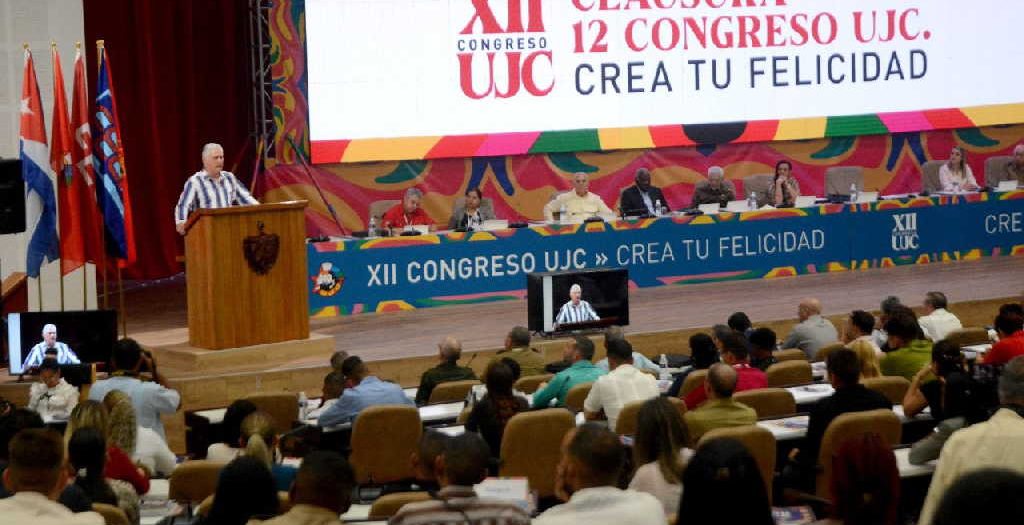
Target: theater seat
(824, 351)
(968, 336)
(283, 408)
(883, 422)
(451, 391)
(757, 183)
(995, 169)
(789, 373)
(383, 439)
(193, 481)
(111, 514)
(529, 384)
(759, 442)
(377, 208)
(768, 402)
(930, 176)
(839, 178)
(789, 354)
(892, 387)
(531, 447)
(576, 396)
(389, 504)
(626, 425)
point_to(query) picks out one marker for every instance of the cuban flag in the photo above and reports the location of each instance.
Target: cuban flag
(41, 203)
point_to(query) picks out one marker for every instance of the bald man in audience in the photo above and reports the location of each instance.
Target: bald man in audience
(449, 351)
(587, 479)
(813, 331)
(720, 410)
(517, 348)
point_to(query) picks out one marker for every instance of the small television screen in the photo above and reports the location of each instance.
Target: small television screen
(577, 300)
(79, 337)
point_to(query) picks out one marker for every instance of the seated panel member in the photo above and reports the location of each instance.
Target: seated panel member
(714, 190)
(576, 310)
(955, 174)
(211, 187)
(1015, 168)
(580, 203)
(407, 213)
(785, 188)
(640, 199)
(472, 214)
(50, 345)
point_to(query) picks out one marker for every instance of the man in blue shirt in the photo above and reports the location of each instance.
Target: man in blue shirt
(580, 352)
(363, 391)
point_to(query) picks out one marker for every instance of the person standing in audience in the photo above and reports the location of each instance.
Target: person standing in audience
(145, 447)
(406, 213)
(624, 384)
(245, 491)
(714, 190)
(720, 410)
(717, 475)
(762, 347)
(52, 396)
(587, 478)
(36, 474)
(449, 351)
(490, 415)
(472, 214)
(994, 443)
(1015, 168)
(151, 399)
(231, 431)
(580, 352)
(462, 465)
(87, 456)
(579, 204)
(865, 483)
(734, 354)
(334, 385)
(988, 495)
(322, 491)
(785, 188)
(937, 322)
(910, 351)
(119, 465)
(640, 361)
(1010, 329)
(956, 175)
(660, 453)
(849, 396)
(642, 199)
(703, 354)
(517, 348)
(813, 331)
(364, 390)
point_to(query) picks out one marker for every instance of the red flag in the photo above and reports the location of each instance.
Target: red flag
(84, 174)
(71, 249)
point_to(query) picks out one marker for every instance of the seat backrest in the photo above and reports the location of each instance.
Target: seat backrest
(626, 425)
(760, 183)
(576, 395)
(283, 504)
(892, 387)
(995, 169)
(531, 446)
(930, 176)
(789, 373)
(825, 350)
(111, 514)
(283, 407)
(768, 402)
(789, 354)
(759, 442)
(839, 178)
(676, 402)
(383, 439)
(529, 384)
(692, 382)
(378, 208)
(193, 481)
(451, 391)
(973, 335)
(883, 422)
(389, 504)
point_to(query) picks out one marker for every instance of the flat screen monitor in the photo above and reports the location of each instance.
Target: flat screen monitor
(606, 291)
(79, 337)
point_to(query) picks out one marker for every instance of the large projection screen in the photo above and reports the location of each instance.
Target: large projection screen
(420, 79)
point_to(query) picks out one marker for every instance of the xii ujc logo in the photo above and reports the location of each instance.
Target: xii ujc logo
(503, 50)
(904, 232)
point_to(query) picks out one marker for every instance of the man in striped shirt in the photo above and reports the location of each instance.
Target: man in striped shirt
(210, 188)
(576, 310)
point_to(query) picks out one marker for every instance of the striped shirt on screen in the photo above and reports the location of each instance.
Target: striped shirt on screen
(571, 313)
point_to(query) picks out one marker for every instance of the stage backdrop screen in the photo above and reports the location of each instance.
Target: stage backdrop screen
(420, 79)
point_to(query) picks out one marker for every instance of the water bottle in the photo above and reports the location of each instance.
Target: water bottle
(752, 201)
(854, 193)
(663, 363)
(956, 187)
(657, 207)
(303, 402)
(563, 214)
(371, 231)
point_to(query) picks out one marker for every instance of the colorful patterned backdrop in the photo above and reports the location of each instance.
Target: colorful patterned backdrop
(520, 185)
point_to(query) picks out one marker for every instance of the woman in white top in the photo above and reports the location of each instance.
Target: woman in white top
(658, 450)
(955, 175)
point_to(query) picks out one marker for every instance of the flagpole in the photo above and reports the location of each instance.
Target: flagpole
(120, 293)
(60, 252)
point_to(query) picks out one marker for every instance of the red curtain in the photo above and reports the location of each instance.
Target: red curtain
(181, 78)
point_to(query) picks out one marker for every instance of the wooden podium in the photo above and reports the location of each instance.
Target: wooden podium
(241, 290)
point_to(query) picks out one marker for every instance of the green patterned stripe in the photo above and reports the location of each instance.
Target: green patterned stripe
(855, 125)
(573, 140)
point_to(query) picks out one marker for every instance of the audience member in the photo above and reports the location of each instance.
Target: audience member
(449, 351)
(849, 396)
(364, 390)
(718, 332)
(424, 459)
(52, 397)
(703, 354)
(119, 465)
(640, 361)
(888, 305)
(259, 441)
(762, 345)
(619, 387)
(245, 490)
(12, 421)
(145, 446)
(36, 474)
(1010, 329)
(322, 491)
(734, 354)
(813, 331)
(517, 348)
(580, 352)
(937, 322)
(586, 478)
(909, 350)
(740, 323)
(231, 431)
(490, 414)
(988, 495)
(578, 204)
(994, 443)
(462, 465)
(857, 336)
(720, 410)
(334, 385)
(865, 483)
(659, 452)
(337, 359)
(150, 398)
(87, 456)
(717, 475)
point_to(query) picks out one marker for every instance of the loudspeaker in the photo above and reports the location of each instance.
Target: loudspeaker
(12, 197)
